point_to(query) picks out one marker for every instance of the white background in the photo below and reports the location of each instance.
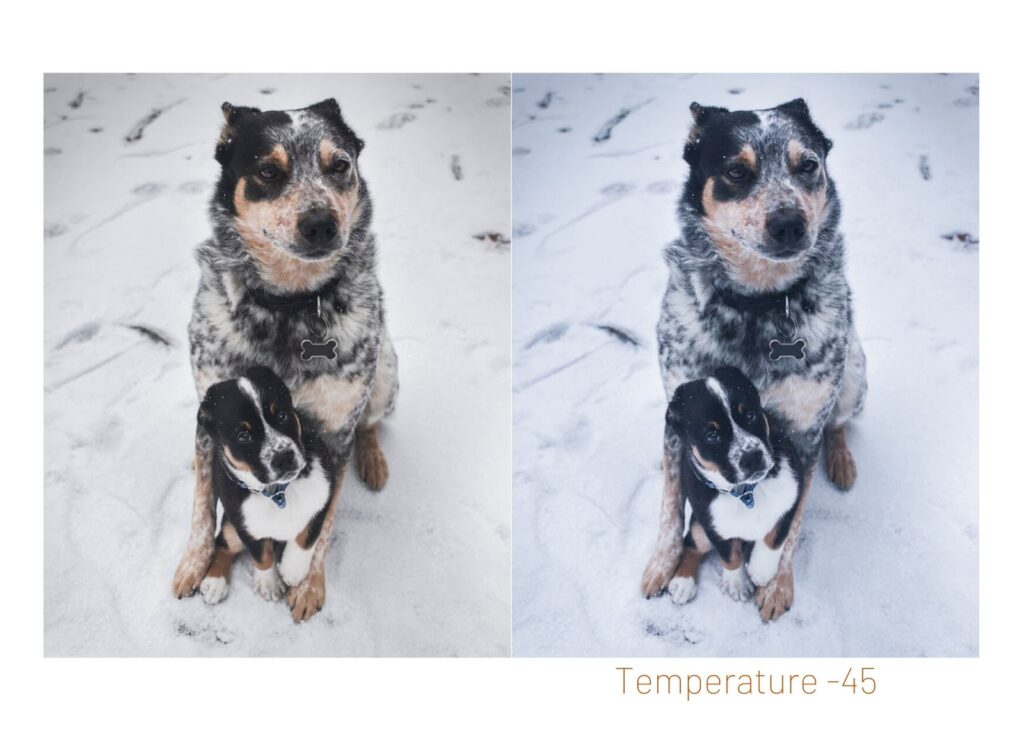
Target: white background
(527, 37)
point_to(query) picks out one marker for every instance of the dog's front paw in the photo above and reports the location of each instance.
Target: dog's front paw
(682, 589)
(191, 570)
(268, 584)
(776, 597)
(658, 574)
(736, 583)
(214, 589)
(308, 597)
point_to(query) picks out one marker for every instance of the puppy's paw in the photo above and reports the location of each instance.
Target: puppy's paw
(308, 597)
(658, 574)
(214, 589)
(371, 464)
(191, 570)
(682, 589)
(268, 584)
(839, 463)
(776, 597)
(736, 583)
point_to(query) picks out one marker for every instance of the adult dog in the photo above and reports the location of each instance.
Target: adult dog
(288, 281)
(757, 281)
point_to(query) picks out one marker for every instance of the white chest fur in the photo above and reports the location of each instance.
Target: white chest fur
(304, 498)
(772, 498)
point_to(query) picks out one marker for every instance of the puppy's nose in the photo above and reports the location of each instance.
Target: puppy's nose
(786, 228)
(752, 461)
(283, 461)
(318, 227)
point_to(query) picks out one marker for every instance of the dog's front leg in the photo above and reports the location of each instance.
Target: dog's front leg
(669, 549)
(776, 597)
(308, 596)
(199, 551)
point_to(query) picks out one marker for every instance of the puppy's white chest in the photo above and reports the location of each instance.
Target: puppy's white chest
(304, 498)
(772, 498)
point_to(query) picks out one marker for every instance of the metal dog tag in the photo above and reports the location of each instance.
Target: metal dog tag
(312, 350)
(326, 348)
(777, 350)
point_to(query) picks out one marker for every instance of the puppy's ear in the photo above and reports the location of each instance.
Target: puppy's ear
(232, 116)
(701, 116)
(797, 108)
(214, 395)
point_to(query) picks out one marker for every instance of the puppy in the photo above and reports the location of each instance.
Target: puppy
(273, 477)
(741, 478)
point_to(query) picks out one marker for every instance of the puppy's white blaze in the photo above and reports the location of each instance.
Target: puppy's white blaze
(687, 516)
(764, 563)
(295, 563)
(273, 440)
(772, 498)
(304, 498)
(742, 440)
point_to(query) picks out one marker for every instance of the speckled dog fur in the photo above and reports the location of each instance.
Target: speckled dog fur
(721, 264)
(276, 166)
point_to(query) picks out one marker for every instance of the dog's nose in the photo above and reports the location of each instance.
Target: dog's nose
(318, 227)
(283, 461)
(786, 228)
(752, 461)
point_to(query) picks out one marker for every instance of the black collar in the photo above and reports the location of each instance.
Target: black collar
(295, 303)
(760, 303)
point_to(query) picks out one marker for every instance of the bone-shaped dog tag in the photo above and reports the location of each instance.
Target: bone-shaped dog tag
(328, 350)
(777, 350)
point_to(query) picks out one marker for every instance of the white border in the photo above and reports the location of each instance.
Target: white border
(525, 36)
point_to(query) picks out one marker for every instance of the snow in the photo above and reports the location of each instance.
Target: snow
(419, 569)
(889, 569)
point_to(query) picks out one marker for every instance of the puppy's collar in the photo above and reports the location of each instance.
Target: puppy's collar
(275, 492)
(744, 492)
(760, 303)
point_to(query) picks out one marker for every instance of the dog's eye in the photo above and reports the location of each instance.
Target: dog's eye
(267, 172)
(340, 166)
(736, 172)
(808, 166)
(283, 415)
(711, 436)
(750, 416)
(244, 436)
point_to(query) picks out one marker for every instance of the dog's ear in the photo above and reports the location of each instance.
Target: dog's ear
(327, 108)
(701, 115)
(797, 108)
(232, 116)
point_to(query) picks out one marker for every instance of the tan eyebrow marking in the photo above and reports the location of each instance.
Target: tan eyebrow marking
(795, 152)
(748, 156)
(279, 156)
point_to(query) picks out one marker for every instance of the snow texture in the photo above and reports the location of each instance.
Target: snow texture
(889, 569)
(419, 569)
